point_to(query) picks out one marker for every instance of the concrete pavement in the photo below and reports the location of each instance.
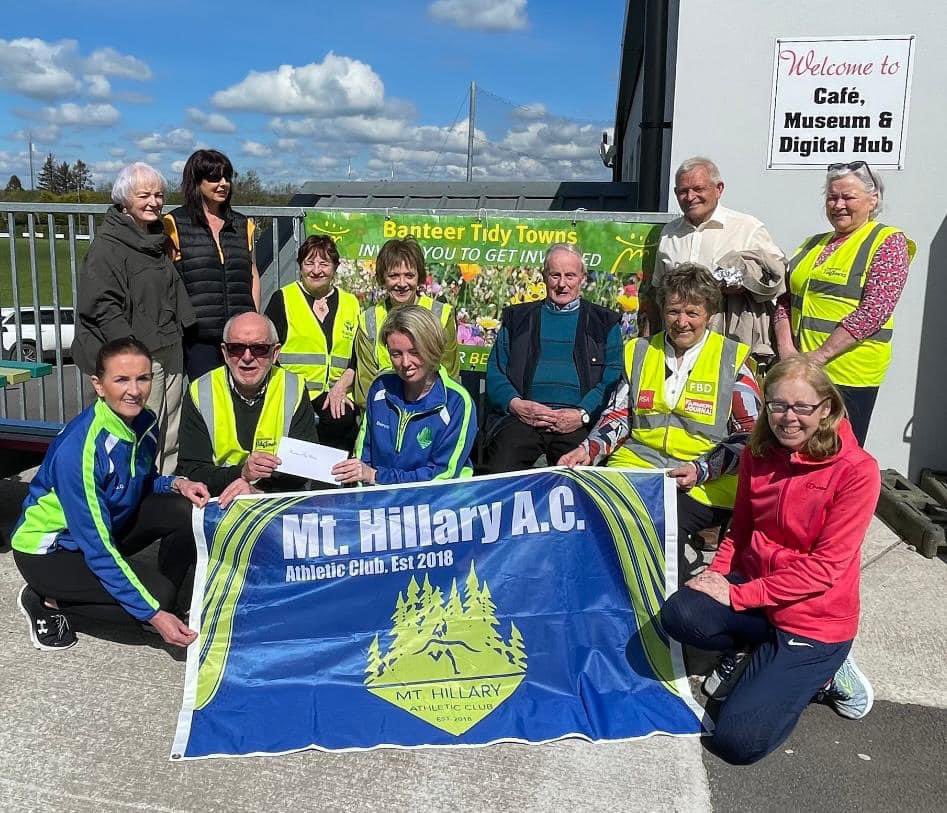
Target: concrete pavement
(90, 730)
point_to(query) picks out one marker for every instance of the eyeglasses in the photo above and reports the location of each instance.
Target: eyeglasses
(257, 350)
(852, 166)
(781, 407)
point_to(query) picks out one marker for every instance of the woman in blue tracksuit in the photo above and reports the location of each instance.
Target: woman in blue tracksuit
(96, 500)
(419, 424)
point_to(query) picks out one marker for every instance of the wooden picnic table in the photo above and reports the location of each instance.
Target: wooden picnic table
(16, 372)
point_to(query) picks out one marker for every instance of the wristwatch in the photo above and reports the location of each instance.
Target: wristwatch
(585, 417)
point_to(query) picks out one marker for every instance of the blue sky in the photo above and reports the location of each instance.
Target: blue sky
(300, 91)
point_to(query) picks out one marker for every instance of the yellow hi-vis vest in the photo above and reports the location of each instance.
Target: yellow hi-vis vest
(373, 317)
(823, 295)
(305, 352)
(664, 435)
(211, 395)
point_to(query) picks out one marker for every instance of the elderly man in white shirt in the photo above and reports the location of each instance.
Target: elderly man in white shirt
(707, 233)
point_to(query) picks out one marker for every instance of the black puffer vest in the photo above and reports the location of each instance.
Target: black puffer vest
(218, 290)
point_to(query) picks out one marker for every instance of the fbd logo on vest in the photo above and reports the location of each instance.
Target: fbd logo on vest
(447, 662)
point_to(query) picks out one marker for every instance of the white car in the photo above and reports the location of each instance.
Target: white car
(27, 345)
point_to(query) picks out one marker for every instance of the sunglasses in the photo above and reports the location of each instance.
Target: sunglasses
(852, 166)
(781, 407)
(258, 351)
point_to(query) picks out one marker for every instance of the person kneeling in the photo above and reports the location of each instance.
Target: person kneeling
(97, 500)
(419, 423)
(784, 583)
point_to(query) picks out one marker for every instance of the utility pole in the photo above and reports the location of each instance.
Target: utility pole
(471, 121)
(30, 138)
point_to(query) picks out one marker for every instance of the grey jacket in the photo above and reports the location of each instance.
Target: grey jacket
(128, 286)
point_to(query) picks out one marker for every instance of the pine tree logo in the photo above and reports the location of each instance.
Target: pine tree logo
(425, 437)
(447, 663)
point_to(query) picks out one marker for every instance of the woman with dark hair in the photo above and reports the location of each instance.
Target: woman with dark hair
(213, 252)
(400, 271)
(316, 322)
(781, 596)
(98, 500)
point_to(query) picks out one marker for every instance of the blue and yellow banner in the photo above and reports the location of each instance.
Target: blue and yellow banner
(515, 608)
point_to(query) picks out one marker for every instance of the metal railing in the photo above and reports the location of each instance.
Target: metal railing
(277, 241)
(49, 275)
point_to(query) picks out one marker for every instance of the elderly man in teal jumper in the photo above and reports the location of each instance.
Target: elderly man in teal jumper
(551, 369)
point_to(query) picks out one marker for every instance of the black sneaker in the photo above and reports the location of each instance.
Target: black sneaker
(49, 628)
(721, 681)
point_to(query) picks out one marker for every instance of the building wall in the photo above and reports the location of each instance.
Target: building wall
(722, 97)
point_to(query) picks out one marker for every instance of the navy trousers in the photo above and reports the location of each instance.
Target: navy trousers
(784, 674)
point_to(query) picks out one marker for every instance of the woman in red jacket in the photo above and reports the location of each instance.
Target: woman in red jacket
(781, 596)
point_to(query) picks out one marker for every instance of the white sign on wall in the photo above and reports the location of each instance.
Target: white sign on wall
(840, 99)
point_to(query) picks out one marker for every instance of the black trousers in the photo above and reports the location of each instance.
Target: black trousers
(339, 433)
(516, 446)
(860, 403)
(784, 673)
(693, 517)
(64, 576)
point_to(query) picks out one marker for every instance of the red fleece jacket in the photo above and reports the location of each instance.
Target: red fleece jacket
(796, 535)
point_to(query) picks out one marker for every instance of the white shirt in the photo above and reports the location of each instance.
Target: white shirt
(724, 231)
(680, 370)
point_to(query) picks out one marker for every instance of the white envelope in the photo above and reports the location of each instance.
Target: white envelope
(311, 460)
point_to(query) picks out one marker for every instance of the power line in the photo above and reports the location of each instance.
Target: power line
(440, 152)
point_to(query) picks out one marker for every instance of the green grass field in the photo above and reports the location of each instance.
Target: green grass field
(43, 269)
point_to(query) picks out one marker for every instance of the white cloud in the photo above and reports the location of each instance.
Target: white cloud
(256, 149)
(529, 112)
(485, 15)
(178, 166)
(211, 122)
(287, 143)
(51, 70)
(38, 69)
(47, 134)
(74, 115)
(106, 170)
(180, 139)
(110, 62)
(118, 152)
(98, 86)
(338, 86)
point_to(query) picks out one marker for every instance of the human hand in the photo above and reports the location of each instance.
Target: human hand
(713, 584)
(235, 489)
(259, 465)
(686, 475)
(197, 493)
(338, 401)
(172, 629)
(353, 470)
(566, 420)
(816, 357)
(579, 456)
(532, 413)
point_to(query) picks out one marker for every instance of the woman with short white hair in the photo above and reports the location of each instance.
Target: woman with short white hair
(843, 288)
(128, 286)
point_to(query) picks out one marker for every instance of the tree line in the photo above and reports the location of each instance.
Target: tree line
(61, 183)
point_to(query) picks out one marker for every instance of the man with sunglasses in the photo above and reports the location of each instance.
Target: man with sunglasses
(235, 415)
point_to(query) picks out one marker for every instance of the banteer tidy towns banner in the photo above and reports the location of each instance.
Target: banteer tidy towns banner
(482, 263)
(510, 608)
